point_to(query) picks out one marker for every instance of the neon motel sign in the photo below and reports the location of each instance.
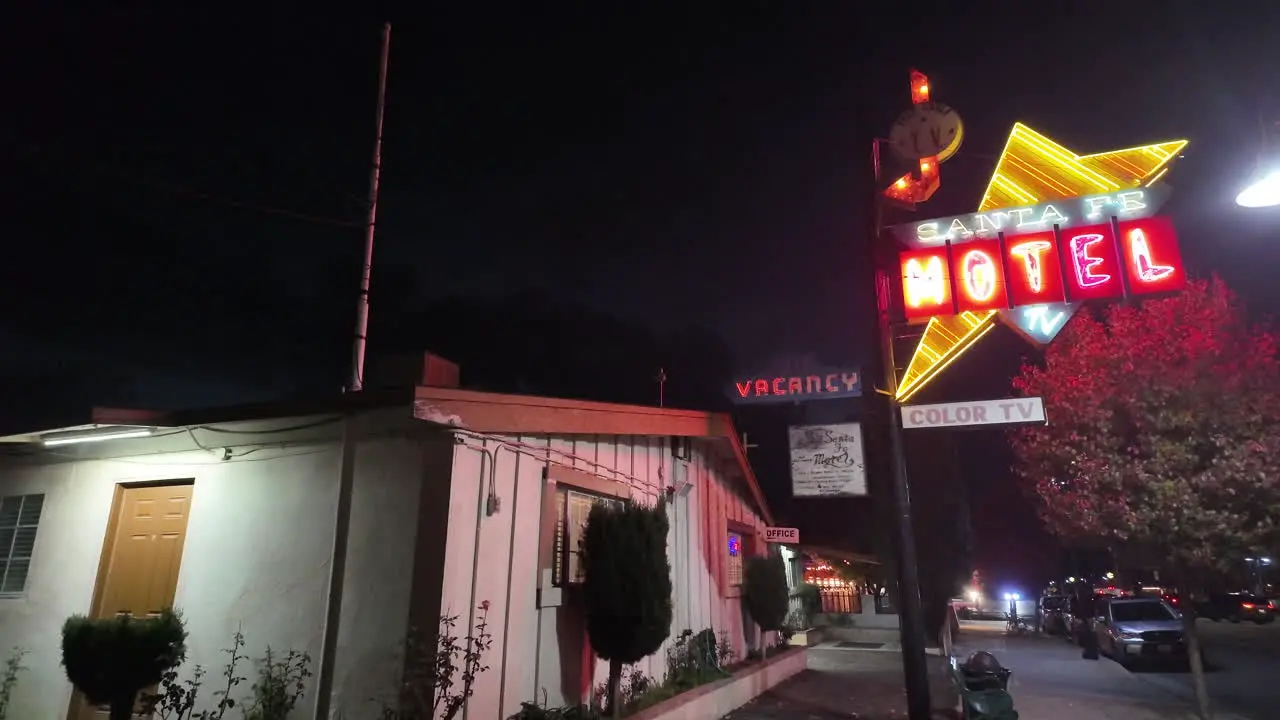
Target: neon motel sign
(999, 262)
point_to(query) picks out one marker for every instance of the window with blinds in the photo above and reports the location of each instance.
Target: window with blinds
(733, 569)
(572, 511)
(19, 517)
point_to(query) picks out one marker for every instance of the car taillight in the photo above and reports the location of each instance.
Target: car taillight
(1271, 604)
(1247, 606)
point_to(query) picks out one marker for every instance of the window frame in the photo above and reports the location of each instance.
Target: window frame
(7, 556)
(562, 548)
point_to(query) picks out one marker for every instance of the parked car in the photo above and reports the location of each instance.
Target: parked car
(1078, 615)
(1050, 614)
(1132, 629)
(1238, 606)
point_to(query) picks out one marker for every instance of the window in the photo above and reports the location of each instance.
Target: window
(733, 570)
(572, 511)
(19, 517)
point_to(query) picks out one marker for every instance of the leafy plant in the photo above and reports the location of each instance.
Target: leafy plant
(176, 699)
(810, 597)
(12, 668)
(435, 666)
(765, 593)
(627, 586)
(446, 701)
(280, 685)
(111, 660)
(724, 650)
(692, 661)
(1162, 447)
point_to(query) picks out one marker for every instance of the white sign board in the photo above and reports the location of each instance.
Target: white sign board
(827, 461)
(979, 412)
(786, 536)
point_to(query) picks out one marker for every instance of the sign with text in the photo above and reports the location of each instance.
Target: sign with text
(1067, 213)
(827, 461)
(786, 536)
(798, 387)
(1039, 324)
(1102, 261)
(1009, 411)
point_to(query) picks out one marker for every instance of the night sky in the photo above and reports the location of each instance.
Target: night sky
(183, 192)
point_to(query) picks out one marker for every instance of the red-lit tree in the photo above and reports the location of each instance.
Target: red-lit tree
(1161, 440)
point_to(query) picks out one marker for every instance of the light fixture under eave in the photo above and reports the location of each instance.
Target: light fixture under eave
(1263, 192)
(99, 435)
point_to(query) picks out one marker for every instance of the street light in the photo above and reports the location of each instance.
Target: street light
(1263, 192)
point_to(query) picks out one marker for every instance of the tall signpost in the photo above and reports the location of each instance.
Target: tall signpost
(928, 133)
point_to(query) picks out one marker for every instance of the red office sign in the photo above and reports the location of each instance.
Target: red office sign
(1103, 261)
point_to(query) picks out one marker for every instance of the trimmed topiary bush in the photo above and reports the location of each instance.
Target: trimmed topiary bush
(110, 660)
(627, 586)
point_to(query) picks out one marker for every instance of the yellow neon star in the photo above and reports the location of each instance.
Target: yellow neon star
(1032, 169)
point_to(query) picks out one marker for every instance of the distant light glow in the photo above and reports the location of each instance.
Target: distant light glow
(1264, 192)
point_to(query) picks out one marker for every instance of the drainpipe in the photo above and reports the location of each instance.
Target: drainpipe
(337, 570)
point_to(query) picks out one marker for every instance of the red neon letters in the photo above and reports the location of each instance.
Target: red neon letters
(1033, 269)
(1152, 261)
(979, 275)
(926, 284)
(1076, 265)
(1093, 271)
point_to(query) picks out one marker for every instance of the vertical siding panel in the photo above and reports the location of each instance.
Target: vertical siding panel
(495, 566)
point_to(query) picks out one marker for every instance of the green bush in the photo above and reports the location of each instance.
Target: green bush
(765, 592)
(627, 585)
(110, 660)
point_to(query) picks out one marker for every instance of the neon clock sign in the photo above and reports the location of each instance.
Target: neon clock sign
(1102, 261)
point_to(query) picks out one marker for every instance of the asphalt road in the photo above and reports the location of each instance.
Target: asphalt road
(1244, 672)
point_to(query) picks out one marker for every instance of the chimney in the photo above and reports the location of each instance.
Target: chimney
(398, 371)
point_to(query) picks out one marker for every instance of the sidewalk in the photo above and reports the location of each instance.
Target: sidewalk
(1051, 681)
(846, 683)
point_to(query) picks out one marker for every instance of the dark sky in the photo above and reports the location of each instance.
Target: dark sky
(182, 189)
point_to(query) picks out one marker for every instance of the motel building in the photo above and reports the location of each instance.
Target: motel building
(456, 498)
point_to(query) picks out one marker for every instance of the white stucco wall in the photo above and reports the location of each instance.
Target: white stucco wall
(496, 557)
(256, 557)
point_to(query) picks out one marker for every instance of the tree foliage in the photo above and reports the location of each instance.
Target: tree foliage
(765, 591)
(627, 585)
(1161, 439)
(110, 660)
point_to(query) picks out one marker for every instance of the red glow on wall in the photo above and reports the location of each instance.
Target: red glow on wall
(926, 283)
(979, 274)
(1093, 270)
(1152, 260)
(1033, 269)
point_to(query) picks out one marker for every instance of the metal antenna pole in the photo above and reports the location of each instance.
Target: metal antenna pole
(356, 382)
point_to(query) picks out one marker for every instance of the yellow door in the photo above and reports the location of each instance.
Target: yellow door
(138, 574)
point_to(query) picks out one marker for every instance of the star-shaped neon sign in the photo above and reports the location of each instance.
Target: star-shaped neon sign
(1033, 169)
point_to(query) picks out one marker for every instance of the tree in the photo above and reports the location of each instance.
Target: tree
(1160, 440)
(627, 586)
(765, 594)
(110, 660)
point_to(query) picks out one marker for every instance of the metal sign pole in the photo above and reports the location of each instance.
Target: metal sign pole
(910, 613)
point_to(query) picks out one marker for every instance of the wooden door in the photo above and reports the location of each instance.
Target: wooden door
(138, 573)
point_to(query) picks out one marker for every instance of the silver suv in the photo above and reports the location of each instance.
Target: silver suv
(1131, 629)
